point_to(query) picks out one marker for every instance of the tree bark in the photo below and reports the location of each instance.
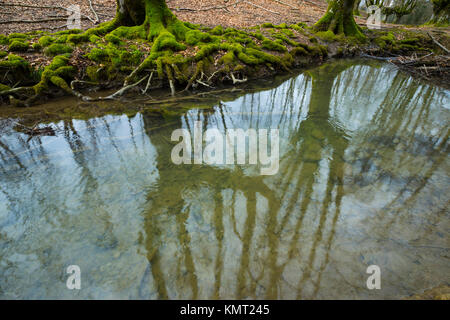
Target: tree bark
(339, 19)
(153, 16)
(441, 12)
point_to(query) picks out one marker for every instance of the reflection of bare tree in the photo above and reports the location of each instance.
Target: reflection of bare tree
(392, 141)
(174, 181)
(315, 136)
(280, 247)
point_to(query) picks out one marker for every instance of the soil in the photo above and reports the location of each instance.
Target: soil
(209, 13)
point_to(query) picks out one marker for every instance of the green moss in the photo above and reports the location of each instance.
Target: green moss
(206, 51)
(57, 48)
(15, 62)
(406, 47)
(98, 55)
(3, 54)
(258, 35)
(36, 46)
(285, 39)
(323, 50)
(313, 39)
(166, 40)
(192, 26)
(266, 57)
(45, 41)
(4, 87)
(411, 41)
(389, 37)
(94, 38)
(114, 39)
(228, 58)
(93, 73)
(19, 46)
(193, 37)
(299, 51)
(54, 73)
(218, 31)
(14, 36)
(273, 46)
(62, 39)
(267, 25)
(326, 35)
(288, 32)
(70, 31)
(3, 39)
(78, 38)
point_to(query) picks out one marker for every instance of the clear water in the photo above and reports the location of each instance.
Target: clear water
(363, 180)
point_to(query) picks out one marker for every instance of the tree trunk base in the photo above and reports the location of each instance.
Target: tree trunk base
(339, 19)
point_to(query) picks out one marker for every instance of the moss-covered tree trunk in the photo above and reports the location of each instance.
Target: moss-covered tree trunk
(339, 19)
(441, 12)
(147, 19)
(356, 8)
(153, 15)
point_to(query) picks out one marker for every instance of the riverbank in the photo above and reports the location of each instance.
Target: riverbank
(39, 65)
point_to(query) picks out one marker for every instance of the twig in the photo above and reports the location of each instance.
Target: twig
(172, 87)
(95, 13)
(148, 83)
(260, 7)
(436, 42)
(237, 80)
(286, 4)
(204, 84)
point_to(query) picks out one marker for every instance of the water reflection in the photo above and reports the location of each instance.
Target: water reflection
(363, 180)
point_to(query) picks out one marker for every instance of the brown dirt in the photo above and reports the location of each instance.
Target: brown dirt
(243, 14)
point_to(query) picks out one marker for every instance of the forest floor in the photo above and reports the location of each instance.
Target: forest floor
(282, 39)
(206, 12)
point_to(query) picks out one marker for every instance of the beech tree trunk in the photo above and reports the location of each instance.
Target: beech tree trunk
(441, 12)
(154, 15)
(339, 19)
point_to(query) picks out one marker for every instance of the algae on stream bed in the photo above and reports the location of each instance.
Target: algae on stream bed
(363, 180)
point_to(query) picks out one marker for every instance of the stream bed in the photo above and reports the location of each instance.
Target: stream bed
(362, 179)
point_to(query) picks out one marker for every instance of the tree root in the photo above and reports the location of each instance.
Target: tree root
(113, 96)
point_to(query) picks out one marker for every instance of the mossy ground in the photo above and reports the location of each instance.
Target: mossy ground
(184, 55)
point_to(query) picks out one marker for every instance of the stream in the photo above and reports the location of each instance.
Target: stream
(362, 179)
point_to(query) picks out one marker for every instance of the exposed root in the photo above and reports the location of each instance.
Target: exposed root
(148, 83)
(237, 80)
(113, 96)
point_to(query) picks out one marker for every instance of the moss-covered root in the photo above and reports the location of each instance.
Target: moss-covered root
(339, 19)
(54, 74)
